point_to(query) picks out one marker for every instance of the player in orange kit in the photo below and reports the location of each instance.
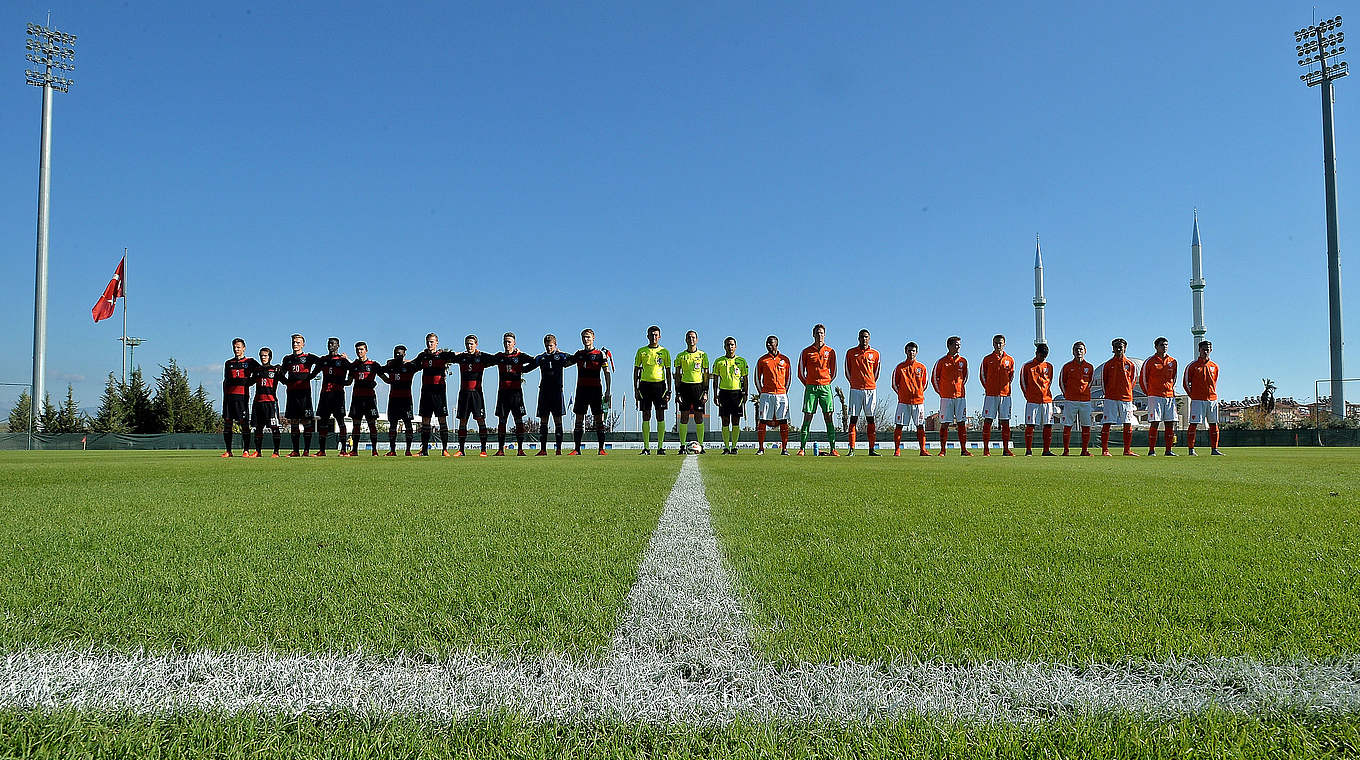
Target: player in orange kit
(909, 381)
(1118, 374)
(1158, 381)
(1036, 382)
(772, 406)
(816, 370)
(998, 369)
(949, 379)
(861, 369)
(1075, 382)
(1201, 382)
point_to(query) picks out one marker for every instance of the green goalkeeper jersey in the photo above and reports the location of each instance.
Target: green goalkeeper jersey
(730, 372)
(693, 366)
(655, 362)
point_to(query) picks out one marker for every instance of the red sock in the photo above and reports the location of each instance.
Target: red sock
(1085, 438)
(1128, 437)
(1048, 437)
(1190, 438)
(760, 435)
(1067, 438)
(853, 425)
(1029, 439)
(921, 437)
(1170, 435)
(873, 431)
(1152, 437)
(1005, 435)
(897, 438)
(986, 436)
(963, 435)
(1213, 437)
(944, 438)
(1104, 438)
(784, 435)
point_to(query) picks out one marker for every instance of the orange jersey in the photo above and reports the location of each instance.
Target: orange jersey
(950, 375)
(997, 373)
(1201, 380)
(772, 374)
(1036, 381)
(861, 368)
(1158, 377)
(817, 367)
(1118, 378)
(1076, 380)
(909, 380)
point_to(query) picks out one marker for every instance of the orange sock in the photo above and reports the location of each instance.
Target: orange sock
(1029, 439)
(1213, 437)
(1190, 438)
(986, 436)
(873, 432)
(1048, 437)
(1067, 438)
(921, 438)
(853, 425)
(944, 438)
(963, 435)
(1005, 435)
(897, 438)
(1105, 438)
(784, 435)
(1085, 438)
(1170, 435)
(1152, 437)
(760, 435)
(1128, 438)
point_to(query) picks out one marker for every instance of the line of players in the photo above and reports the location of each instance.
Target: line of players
(689, 376)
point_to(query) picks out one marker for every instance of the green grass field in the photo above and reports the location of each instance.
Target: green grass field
(183, 550)
(1046, 559)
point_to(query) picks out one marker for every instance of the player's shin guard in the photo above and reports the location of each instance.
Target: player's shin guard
(873, 434)
(1190, 437)
(1213, 436)
(1048, 438)
(1005, 436)
(1128, 438)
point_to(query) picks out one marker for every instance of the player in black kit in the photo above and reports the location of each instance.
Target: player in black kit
(550, 364)
(590, 363)
(363, 375)
(296, 371)
(397, 373)
(237, 374)
(265, 410)
(334, 377)
(511, 364)
(433, 364)
(471, 402)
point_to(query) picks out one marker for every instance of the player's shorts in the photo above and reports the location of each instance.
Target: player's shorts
(331, 404)
(510, 402)
(1038, 414)
(863, 403)
(265, 413)
(1077, 413)
(996, 408)
(1161, 409)
(235, 408)
(731, 402)
(399, 409)
(589, 399)
(651, 395)
(434, 401)
(550, 403)
(911, 416)
(773, 407)
(1203, 412)
(471, 403)
(363, 408)
(815, 396)
(298, 408)
(691, 397)
(1118, 412)
(953, 410)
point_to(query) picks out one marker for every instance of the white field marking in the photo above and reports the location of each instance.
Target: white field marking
(682, 653)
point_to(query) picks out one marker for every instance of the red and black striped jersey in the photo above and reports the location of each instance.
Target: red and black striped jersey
(334, 373)
(398, 374)
(266, 382)
(297, 370)
(237, 375)
(589, 365)
(433, 366)
(471, 365)
(364, 375)
(512, 366)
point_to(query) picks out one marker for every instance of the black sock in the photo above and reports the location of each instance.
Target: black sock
(543, 434)
(392, 438)
(372, 435)
(343, 437)
(500, 435)
(462, 439)
(577, 433)
(226, 435)
(559, 434)
(444, 436)
(599, 435)
(481, 431)
(424, 437)
(519, 434)
(322, 435)
(409, 435)
(297, 438)
(259, 439)
(307, 439)
(274, 434)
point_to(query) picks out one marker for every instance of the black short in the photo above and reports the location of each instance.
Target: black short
(471, 403)
(331, 404)
(691, 397)
(299, 406)
(434, 401)
(363, 408)
(589, 400)
(399, 409)
(730, 403)
(265, 413)
(652, 395)
(234, 408)
(510, 402)
(550, 403)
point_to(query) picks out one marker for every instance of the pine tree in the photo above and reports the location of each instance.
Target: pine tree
(175, 408)
(111, 417)
(18, 416)
(212, 419)
(69, 418)
(47, 420)
(137, 407)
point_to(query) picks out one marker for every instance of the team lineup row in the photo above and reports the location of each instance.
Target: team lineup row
(688, 377)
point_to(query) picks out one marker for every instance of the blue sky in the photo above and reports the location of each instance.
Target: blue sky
(375, 173)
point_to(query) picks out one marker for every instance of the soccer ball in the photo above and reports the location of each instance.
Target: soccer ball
(693, 447)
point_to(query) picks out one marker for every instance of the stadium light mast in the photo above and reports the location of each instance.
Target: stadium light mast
(50, 50)
(1321, 44)
(1197, 283)
(1039, 300)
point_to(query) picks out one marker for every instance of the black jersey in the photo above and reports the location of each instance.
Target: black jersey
(511, 368)
(550, 367)
(267, 382)
(297, 371)
(433, 366)
(471, 364)
(237, 375)
(398, 373)
(334, 373)
(589, 364)
(364, 375)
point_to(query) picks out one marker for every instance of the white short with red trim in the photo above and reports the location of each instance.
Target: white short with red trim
(953, 410)
(1202, 412)
(1038, 414)
(911, 416)
(773, 406)
(996, 408)
(1118, 412)
(1161, 409)
(863, 403)
(1077, 413)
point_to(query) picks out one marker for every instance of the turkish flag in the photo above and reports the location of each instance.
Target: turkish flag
(115, 290)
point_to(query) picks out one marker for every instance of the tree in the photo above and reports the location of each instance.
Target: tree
(175, 408)
(18, 416)
(47, 419)
(111, 417)
(69, 419)
(139, 412)
(211, 420)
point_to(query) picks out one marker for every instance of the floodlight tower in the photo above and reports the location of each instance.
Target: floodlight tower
(1039, 300)
(1321, 44)
(1197, 283)
(50, 50)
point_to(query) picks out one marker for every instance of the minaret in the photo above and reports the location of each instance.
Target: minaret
(1196, 290)
(1039, 299)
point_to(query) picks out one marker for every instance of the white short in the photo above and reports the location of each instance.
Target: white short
(1077, 413)
(911, 416)
(773, 406)
(1038, 414)
(996, 407)
(1161, 409)
(1118, 412)
(953, 410)
(1203, 412)
(863, 403)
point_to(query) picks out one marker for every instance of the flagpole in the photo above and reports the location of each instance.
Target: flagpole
(122, 285)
